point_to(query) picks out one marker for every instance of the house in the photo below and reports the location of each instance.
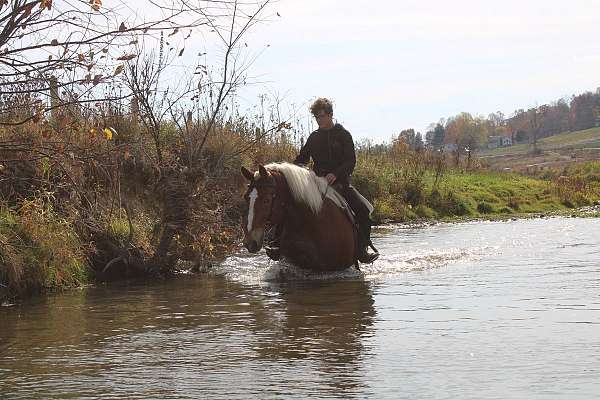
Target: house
(506, 141)
(494, 141)
(450, 147)
(499, 141)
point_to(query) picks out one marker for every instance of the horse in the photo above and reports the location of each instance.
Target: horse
(314, 232)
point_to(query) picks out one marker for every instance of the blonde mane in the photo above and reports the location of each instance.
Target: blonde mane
(305, 186)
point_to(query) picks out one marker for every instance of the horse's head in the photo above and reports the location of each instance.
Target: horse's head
(260, 199)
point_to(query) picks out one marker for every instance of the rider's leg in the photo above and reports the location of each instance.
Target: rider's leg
(364, 225)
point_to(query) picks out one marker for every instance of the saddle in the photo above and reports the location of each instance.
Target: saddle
(339, 200)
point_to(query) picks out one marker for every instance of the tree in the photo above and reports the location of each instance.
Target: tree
(468, 133)
(410, 138)
(435, 135)
(582, 114)
(58, 53)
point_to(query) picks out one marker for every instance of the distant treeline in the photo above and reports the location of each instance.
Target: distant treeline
(523, 126)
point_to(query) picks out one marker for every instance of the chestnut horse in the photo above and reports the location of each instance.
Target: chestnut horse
(314, 233)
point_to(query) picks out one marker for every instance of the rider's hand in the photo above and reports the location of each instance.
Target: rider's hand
(330, 178)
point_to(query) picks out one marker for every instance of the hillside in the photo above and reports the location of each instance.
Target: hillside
(556, 151)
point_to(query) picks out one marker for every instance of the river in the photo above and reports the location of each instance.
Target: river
(481, 310)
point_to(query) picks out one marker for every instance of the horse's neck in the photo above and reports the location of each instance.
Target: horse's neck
(298, 216)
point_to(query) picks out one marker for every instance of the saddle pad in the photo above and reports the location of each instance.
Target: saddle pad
(341, 202)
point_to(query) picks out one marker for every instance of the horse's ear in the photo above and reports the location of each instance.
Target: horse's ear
(247, 174)
(263, 172)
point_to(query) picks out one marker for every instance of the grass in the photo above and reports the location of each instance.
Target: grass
(407, 190)
(589, 138)
(38, 251)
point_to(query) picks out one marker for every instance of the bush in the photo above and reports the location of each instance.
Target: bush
(449, 205)
(424, 212)
(485, 208)
(38, 250)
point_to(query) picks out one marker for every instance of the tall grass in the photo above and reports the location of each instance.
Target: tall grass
(408, 185)
(38, 250)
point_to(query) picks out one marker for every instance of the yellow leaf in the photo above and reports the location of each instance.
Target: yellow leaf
(46, 4)
(93, 132)
(108, 133)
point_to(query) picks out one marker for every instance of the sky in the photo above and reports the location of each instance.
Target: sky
(393, 65)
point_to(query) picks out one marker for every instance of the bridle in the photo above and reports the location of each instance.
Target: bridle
(275, 183)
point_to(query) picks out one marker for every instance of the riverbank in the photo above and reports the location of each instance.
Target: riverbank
(47, 245)
(421, 187)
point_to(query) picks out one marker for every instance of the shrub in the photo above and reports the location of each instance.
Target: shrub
(424, 212)
(485, 208)
(38, 250)
(514, 204)
(449, 205)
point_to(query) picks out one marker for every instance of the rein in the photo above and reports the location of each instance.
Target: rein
(277, 182)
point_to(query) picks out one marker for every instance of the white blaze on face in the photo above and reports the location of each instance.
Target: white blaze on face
(253, 196)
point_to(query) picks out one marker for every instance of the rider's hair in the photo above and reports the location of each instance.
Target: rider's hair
(321, 104)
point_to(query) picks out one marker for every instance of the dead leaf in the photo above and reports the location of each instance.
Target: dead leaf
(127, 57)
(118, 70)
(46, 4)
(54, 42)
(81, 57)
(97, 79)
(174, 32)
(122, 27)
(28, 9)
(181, 52)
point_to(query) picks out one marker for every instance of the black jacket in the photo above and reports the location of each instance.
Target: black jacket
(332, 151)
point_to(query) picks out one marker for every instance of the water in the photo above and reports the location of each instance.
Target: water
(490, 310)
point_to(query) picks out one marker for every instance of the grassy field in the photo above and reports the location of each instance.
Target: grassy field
(554, 152)
(399, 192)
(589, 138)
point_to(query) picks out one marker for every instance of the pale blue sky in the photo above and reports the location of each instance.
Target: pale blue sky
(390, 65)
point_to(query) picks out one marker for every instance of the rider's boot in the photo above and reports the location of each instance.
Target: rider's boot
(364, 242)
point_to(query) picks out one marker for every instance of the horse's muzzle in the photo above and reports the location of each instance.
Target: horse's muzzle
(252, 246)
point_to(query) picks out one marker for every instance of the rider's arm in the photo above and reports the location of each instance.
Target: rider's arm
(305, 152)
(349, 161)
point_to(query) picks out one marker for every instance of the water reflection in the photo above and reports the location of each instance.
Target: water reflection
(119, 339)
(327, 323)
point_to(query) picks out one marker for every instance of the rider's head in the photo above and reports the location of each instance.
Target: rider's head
(322, 109)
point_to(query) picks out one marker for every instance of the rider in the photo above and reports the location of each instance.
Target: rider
(332, 150)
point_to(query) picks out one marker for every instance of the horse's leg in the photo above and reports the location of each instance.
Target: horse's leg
(302, 252)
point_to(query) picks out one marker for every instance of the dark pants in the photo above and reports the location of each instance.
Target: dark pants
(361, 211)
